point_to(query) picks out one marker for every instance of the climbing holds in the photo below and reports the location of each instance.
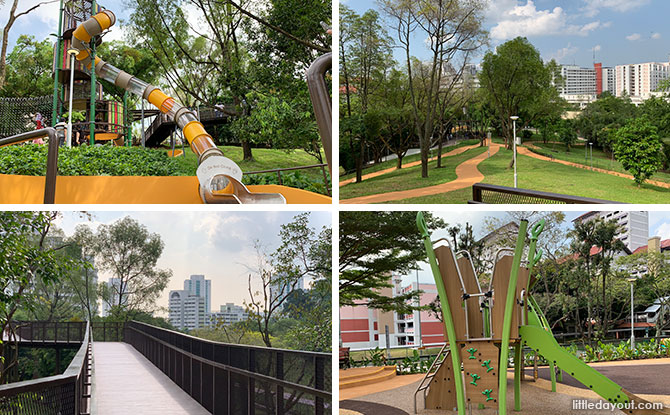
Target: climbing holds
(487, 392)
(475, 377)
(472, 352)
(487, 365)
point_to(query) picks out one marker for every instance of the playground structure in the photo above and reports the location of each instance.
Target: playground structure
(481, 326)
(219, 179)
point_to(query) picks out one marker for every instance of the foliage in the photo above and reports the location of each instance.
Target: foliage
(517, 82)
(134, 59)
(291, 179)
(567, 133)
(638, 148)
(129, 252)
(29, 68)
(373, 247)
(601, 118)
(30, 159)
(77, 116)
(414, 364)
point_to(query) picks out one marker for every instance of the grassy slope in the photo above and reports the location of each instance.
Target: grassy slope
(600, 159)
(552, 177)
(264, 159)
(409, 178)
(407, 159)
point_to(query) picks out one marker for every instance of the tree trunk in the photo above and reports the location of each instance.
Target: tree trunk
(359, 163)
(439, 152)
(5, 42)
(399, 162)
(246, 150)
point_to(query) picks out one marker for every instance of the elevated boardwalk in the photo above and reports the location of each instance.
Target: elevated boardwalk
(125, 382)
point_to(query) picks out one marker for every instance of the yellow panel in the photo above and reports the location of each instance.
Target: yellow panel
(104, 20)
(157, 97)
(128, 189)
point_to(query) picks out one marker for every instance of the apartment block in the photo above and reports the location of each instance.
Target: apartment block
(634, 226)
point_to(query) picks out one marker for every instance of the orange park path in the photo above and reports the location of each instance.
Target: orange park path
(453, 152)
(526, 152)
(467, 174)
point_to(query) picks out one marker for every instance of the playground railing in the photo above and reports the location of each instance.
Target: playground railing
(66, 393)
(279, 172)
(318, 92)
(494, 194)
(52, 156)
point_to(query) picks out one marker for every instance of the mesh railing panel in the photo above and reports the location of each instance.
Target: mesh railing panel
(226, 391)
(492, 197)
(52, 400)
(18, 115)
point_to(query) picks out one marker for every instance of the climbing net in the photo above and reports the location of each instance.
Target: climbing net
(20, 115)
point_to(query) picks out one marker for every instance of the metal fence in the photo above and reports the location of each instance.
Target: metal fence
(50, 332)
(238, 379)
(493, 194)
(65, 394)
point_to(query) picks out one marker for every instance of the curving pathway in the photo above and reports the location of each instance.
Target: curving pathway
(453, 152)
(467, 174)
(526, 152)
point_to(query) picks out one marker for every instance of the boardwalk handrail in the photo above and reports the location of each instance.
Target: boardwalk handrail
(494, 194)
(67, 393)
(217, 374)
(52, 156)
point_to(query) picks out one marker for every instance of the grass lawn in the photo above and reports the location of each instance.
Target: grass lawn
(407, 159)
(410, 178)
(557, 178)
(264, 159)
(454, 197)
(600, 159)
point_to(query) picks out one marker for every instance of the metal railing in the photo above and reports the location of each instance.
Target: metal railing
(238, 379)
(50, 332)
(279, 172)
(494, 194)
(67, 393)
(52, 157)
(318, 92)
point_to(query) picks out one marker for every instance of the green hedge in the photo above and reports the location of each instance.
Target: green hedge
(31, 159)
(291, 179)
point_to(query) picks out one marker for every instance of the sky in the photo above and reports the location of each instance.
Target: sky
(219, 245)
(659, 225)
(619, 31)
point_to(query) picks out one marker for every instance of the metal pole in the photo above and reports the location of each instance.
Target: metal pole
(632, 319)
(57, 67)
(417, 329)
(515, 181)
(93, 86)
(591, 144)
(72, 53)
(143, 138)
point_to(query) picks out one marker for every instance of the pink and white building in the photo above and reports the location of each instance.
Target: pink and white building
(365, 328)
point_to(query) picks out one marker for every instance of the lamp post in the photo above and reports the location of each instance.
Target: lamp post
(72, 53)
(632, 315)
(591, 145)
(514, 118)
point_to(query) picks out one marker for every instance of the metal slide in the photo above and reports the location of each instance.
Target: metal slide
(215, 171)
(536, 337)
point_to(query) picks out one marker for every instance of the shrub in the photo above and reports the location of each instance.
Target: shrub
(291, 179)
(639, 149)
(30, 160)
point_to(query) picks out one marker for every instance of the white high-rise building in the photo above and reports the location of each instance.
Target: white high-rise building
(198, 286)
(641, 80)
(634, 226)
(186, 311)
(579, 85)
(228, 314)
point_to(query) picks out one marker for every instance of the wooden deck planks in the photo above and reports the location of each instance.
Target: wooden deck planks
(125, 382)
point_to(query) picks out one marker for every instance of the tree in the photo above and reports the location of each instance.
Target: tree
(454, 30)
(601, 118)
(129, 252)
(517, 82)
(28, 71)
(5, 34)
(136, 60)
(374, 246)
(567, 133)
(638, 148)
(302, 255)
(27, 259)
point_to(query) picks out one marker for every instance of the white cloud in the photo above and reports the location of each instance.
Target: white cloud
(562, 53)
(514, 20)
(597, 48)
(593, 7)
(663, 231)
(656, 36)
(634, 37)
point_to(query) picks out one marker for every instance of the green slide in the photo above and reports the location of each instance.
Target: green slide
(542, 341)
